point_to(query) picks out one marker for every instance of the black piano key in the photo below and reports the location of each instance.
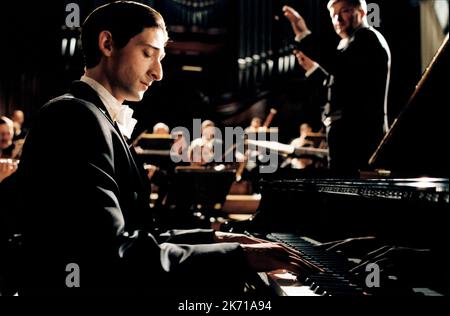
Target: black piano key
(335, 279)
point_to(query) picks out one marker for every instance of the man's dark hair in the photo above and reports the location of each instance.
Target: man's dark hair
(123, 19)
(354, 3)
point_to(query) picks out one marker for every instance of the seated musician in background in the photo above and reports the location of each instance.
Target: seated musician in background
(302, 141)
(159, 174)
(255, 125)
(249, 159)
(202, 150)
(9, 148)
(180, 148)
(257, 131)
(6, 137)
(86, 219)
(7, 166)
(158, 129)
(18, 118)
(161, 129)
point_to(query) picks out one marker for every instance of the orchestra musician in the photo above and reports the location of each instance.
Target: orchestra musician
(18, 118)
(158, 129)
(161, 129)
(9, 151)
(202, 150)
(301, 141)
(255, 125)
(88, 216)
(247, 167)
(6, 137)
(8, 147)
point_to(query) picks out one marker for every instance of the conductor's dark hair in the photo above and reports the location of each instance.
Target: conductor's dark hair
(359, 4)
(123, 19)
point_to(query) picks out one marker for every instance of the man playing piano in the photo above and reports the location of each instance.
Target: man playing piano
(357, 82)
(81, 209)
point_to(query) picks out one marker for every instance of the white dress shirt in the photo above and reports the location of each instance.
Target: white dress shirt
(119, 112)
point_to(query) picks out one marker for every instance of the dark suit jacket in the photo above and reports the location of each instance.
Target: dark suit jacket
(83, 202)
(357, 82)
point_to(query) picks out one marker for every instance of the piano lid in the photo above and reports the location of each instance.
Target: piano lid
(415, 145)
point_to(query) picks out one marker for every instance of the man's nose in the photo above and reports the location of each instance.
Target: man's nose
(156, 71)
(337, 18)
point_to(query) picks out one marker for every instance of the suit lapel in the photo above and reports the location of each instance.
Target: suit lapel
(129, 154)
(83, 91)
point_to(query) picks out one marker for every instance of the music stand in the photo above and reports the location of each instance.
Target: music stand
(316, 138)
(199, 188)
(154, 148)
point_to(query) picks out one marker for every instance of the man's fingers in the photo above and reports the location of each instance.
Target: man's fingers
(298, 258)
(259, 240)
(297, 268)
(300, 57)
(306, 263)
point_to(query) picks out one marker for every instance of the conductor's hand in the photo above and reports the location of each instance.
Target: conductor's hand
(297, 22)
(265, 257)
(304, 61)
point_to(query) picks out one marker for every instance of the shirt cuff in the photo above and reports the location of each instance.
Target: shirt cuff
(311, 71)
(300, 37)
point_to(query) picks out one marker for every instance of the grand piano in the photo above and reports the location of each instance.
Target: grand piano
(382, 233)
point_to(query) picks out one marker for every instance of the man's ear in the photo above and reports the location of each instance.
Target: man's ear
(105, 43)
(362, 13)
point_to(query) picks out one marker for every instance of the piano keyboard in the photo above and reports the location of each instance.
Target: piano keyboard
(334, 281)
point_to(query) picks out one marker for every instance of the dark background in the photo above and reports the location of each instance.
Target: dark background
(33, 68)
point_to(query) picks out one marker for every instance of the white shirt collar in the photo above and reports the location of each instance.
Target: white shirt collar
(345, 42)
(119, 113)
